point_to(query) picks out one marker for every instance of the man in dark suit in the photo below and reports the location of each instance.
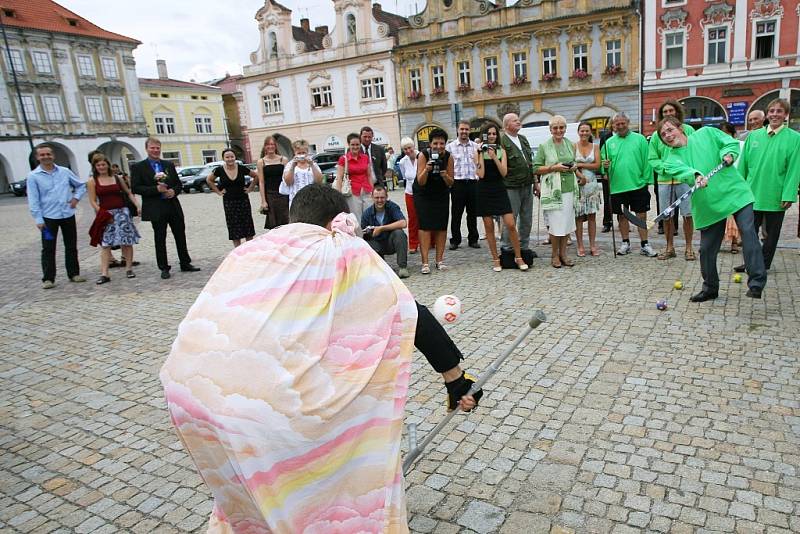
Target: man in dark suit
(158, 183)
(375, 153)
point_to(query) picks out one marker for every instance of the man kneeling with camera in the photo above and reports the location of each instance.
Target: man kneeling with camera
(383, 224)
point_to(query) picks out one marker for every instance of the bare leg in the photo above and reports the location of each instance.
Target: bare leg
(642, 231)
(579, 235)
(624, 229)
(688, 231)
(425, 244)
(237, 242)
(440, 238)
(513, 234)
(555, 251)
(562, 252)
(127, 253)
(488, 227)
(668, 234)
(105, 259)
(591, 224)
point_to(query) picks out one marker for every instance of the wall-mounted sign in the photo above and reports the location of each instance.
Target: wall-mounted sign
(737, 112)
(333, 143)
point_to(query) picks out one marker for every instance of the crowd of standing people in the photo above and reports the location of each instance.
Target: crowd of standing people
(494, 176)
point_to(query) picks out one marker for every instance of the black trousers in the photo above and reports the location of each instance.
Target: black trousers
(69, 235)
(464, 194)
(773, 222)
(608, 218)
(434, 343)
(175, 222)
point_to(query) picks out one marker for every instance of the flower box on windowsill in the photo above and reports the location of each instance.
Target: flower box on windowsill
(580, 75)
(438, 91)
(491, 85)
(519, 81)
(613, 70)
(464, 88)
(414, 96)
(550, 77)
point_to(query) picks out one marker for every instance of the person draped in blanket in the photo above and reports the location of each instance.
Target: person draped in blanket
(287, 395)
(689, 159)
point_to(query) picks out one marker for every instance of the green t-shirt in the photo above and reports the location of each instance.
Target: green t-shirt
(564, 151)
(771, 166)
(726, 193)
(655, 152)
(629, 168)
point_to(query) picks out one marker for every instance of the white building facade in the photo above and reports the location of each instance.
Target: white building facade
(319, 85)
(77, 85)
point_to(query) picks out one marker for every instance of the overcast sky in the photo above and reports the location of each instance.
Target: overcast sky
(200, 39)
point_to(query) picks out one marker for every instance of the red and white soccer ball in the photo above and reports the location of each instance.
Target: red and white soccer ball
(447, 309)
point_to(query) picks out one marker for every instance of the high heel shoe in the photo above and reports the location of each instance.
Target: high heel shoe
(496, 266)
(521, 265)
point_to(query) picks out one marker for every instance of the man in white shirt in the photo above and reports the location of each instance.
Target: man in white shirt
(464, 193)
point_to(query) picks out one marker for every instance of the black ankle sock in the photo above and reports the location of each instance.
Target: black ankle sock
(644, 242)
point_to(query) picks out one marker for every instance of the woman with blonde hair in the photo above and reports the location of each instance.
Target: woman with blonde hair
(555, 163)
(107, 196)
(270, 169)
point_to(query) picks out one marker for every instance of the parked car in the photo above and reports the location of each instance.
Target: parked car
(326, 160)
(188, 177)
(20, 189)
(200, 183)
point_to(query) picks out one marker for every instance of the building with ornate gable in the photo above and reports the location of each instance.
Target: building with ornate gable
(479, 60)
(76, 83)
(721, 58)
(320, 85)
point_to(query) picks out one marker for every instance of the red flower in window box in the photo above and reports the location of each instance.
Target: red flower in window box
(438, 90)
(414, 95)
(491, 85)
(580, 74)
(519, 80)
(464, 88)
(613, 70)
(550, 77)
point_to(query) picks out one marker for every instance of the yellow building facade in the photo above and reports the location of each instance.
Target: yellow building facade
(188, 118)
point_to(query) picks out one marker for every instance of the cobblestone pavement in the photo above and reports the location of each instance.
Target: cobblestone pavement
(612, 417)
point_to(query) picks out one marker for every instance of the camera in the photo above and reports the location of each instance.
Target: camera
(569, 164)
(435, 163)
(485, 147)
(301, 157)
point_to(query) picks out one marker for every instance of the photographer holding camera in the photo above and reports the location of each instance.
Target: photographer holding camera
(300, 171)
(383, 224)
(432, 197)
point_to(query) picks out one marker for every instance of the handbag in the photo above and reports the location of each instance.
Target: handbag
(347, 187)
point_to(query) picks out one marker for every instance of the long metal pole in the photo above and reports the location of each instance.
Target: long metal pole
(16, 83)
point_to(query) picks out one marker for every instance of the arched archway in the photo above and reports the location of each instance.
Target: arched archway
(477, 124)
(703, 111)
(120, 152)
(794, 105)
(536, 118)
(422, 135)
(5, 179)
(63, 157)
(283, 142)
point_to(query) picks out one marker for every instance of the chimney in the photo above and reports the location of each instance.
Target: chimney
(304, 24)
(161, 65)
(322, 30)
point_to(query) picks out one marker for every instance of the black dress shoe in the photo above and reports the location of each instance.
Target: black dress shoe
(606, 228)
(703, 296)
(189, 268)
(165, 274)
(474, 245)
(453, 246)
(754, 292)
(740, 268)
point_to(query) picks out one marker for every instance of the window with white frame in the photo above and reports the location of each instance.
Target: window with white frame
(580, 57)
(119, 111)
(549, 61)
(520, 63)
(437, 74)
(673, 45)
(321, 97)
(464, 76)
(209, 156)
(53, 111)
(94, 108)
(41, 62)
(16, 60)
(202, 124)
(613, 53)
(272, 103)
(490, 66)
(85, 66)
(110, 71)
(717, 45)
(164, 124)
(29, 105)
(415, 80)
(765, 39)
(173, 157)
(372, 88)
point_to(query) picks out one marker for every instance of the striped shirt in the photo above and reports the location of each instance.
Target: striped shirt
(463, 159)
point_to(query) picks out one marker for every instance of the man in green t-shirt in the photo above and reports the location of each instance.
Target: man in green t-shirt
(770, 162)
(625, 161)
(688, 159)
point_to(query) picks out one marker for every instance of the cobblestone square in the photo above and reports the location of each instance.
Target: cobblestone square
(611, 417)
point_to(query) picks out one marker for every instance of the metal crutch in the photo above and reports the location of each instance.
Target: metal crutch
(416, 449)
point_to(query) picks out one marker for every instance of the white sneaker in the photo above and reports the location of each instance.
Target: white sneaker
(648, 251)
(625, 248)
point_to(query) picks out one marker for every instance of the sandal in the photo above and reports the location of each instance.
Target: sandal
(130, 274)
(103, 280)
(521, 265)
(496, 266)
(567, 263)
(426, 269)
(689, 255)
(440, 266)
(595, 251)
(114, 263)
(666, 254)
(556, 265)
(581, 253)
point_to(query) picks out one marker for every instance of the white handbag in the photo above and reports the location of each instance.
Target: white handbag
(347, 187)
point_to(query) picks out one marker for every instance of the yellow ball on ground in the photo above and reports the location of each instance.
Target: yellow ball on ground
(737, 278)
(678, 284)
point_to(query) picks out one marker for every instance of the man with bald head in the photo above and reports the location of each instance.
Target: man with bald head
(519, 180)
(755, 120)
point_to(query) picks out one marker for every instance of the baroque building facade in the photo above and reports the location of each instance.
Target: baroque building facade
(321, 85)
(721, 58)
(538, 58)
(187, 117)
(76, 84)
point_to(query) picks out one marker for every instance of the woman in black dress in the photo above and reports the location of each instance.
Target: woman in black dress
(233, 190)
(432, 198)
(270, 171)
(491, 166)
